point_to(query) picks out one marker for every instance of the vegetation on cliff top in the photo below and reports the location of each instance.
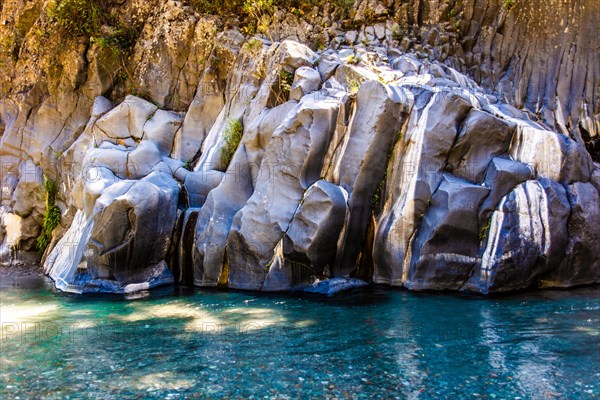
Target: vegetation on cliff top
(256, 15)
(93, 19)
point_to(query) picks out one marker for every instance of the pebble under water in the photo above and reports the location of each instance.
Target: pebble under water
(175, 343)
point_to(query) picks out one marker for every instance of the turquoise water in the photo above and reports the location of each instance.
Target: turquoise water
(380, 344)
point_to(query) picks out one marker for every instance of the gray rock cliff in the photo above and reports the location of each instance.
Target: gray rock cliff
(424, 144)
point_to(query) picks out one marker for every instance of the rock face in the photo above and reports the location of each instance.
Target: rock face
(120, 234)
(433, 146)
(308, 247)
(292, 162)
(527, 237)
(444, 252)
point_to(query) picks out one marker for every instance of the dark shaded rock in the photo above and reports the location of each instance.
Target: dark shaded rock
(581, 264)
(502, 175)
(309, 245)
(297, 149)
(481, 138)
(417, 167)
(446, 245)
(527, 238)
(232, 193)
(122, 247)
(360, 165)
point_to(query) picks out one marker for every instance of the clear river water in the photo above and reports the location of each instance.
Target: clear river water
(175, 343)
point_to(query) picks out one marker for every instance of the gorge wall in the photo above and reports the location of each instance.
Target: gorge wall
(427, 144)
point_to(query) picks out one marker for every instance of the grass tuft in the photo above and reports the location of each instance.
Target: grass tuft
(233, 137)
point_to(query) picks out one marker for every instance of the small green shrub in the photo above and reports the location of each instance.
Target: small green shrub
(484, 230)
(233, 137)
(51, 218)
(344, 6)
(51, 191)
(260, 13)
(217, 8)
(353, 59)
(51, 215)
(42, 242)
(353, 85)
(121, 39)
(260, 72)
(253, 45)
(509, 4)
(257, 15)
(285, 80)
(398, 34)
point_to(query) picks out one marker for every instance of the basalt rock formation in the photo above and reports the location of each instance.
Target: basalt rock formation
(424, 144)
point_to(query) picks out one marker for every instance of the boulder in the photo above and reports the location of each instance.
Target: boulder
(198, 185)
(122, 246)
(445, 249)
(551, 155)
(142, 160)
(161, 128)
(502, 175)
(21, 233)
(581, 264)
(297, 148)
(528, 237)
(327, 66)
(416, 172)
(95, 181)
(306, 80)
(296, 55)
(29, 198)
(113, 159)
(361, 164)
(126, 120)
(335, 286)
(222, 204)
(308, 247)
(481, 138)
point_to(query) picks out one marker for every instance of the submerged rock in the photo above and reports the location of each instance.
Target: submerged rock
(334, 286)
